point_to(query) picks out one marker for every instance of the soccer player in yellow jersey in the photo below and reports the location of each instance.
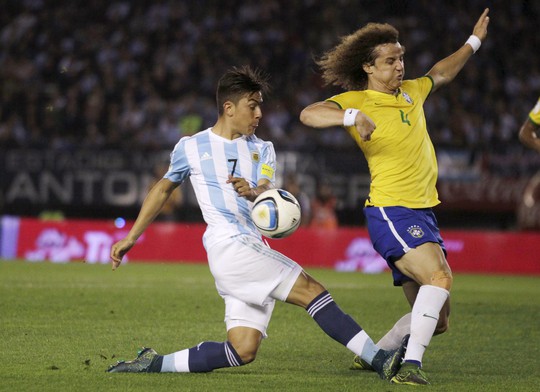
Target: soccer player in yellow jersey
(229, 166)
(528, 134)
(385, 116)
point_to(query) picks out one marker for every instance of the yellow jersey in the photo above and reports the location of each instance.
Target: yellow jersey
(534, 115)
(400, 154)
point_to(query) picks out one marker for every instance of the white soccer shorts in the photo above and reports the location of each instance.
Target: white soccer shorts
(250, 276)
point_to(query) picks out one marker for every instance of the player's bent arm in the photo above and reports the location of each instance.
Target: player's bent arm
(154, 201)
(322, 115)
(329, 114)
(152, 204)
(528, 135)
(241, 186)
(444, 71)
(262, 186)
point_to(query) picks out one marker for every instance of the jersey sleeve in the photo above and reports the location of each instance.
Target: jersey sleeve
(267, 164)
(425, 85)
(346, 100)
(179, 168)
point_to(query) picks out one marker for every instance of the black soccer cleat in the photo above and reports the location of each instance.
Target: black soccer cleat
(141, 364)
(360, 364)
(387, 363)
(410, 374)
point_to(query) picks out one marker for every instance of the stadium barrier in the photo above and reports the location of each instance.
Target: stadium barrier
(344, 249)
(90, 183)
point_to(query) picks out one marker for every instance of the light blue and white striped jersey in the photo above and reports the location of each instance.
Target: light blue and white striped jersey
(207, 159)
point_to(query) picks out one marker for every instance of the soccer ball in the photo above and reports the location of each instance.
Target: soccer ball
(276, 213)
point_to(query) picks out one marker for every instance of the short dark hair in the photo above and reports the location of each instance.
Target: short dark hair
(239, 81)
(343, 65)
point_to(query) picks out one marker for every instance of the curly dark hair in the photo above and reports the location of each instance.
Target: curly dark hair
(343, 65)
(239, 81)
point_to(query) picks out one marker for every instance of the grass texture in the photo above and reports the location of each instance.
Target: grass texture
(62, 325)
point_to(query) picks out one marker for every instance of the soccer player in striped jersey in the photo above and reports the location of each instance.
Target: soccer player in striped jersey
(228, 166)
(384, 114)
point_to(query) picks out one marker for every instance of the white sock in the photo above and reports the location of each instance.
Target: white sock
(362, 345)
(176, 362)
(392, 339)
(424, 318)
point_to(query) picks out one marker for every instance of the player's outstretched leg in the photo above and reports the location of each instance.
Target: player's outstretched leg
(342, 328)
(390, 341)
(142, 364)
(204, 357)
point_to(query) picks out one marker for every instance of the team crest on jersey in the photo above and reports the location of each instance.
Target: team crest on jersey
(407, 97)
(255, 157)
(416, 231)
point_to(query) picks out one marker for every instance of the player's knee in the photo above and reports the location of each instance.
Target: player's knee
(443, 323)
(247, 355)
(245, 345)
(440, 330)
(305, 290)
(442, 279)
(317, 288)
(442, 327)
(313, 292)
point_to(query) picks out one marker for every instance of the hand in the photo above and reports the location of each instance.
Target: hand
(118, 250)
(480, 28)
(241, 186)
(365, 126)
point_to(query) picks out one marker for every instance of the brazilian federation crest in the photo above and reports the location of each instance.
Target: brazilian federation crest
(407, 97)
(416, 231)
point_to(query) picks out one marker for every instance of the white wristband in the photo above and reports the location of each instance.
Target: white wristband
(350, 117)
(474, 42)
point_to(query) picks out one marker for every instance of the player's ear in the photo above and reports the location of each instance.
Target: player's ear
(367, 68)
(228, 108)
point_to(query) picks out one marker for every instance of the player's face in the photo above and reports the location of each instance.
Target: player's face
(388, 71)
(247, 113)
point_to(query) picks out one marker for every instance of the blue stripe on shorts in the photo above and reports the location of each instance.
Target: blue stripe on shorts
(396, 230)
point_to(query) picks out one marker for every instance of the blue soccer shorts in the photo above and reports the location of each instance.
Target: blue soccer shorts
(396, 230)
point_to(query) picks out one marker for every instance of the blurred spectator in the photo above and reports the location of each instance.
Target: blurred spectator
(124, 74)
(323, 208)
(292, 185)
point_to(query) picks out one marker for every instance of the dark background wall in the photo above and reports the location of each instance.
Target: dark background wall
(95, 93)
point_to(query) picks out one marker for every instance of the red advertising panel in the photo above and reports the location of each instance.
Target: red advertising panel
(349, 249)
(91, 241)
(344, 249)
(492, 251)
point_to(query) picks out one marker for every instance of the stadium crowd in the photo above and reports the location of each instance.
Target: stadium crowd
(138, 75)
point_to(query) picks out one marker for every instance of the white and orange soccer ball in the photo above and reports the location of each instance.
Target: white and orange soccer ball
(276, 213)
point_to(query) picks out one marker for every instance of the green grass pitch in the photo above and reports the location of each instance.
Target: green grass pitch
(62, 325)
